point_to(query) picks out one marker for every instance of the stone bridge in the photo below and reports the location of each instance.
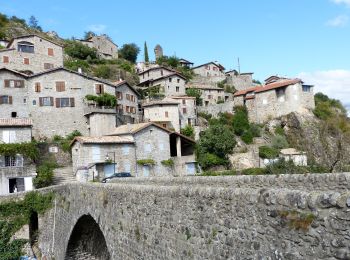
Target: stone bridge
(233, 217)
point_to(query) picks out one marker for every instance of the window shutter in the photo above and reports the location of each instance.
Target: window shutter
(97, 89)
(10, 99)
(40, 101)
(51, 101)
(0, 100)
(60, 86)
(7, 83)
(72, 103)
(58, 102)
(102, 89)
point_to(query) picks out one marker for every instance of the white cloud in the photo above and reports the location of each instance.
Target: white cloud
(338, 21)
(333, 83)
(346, 2)
(98, 28)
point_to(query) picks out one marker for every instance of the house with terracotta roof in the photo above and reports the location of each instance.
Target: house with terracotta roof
(31, 54)
(276, 99)
(143, 150)
(16, 171)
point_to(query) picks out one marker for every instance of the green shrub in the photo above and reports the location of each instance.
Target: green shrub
(279, 142)
(104, 99)
(255, 129)
(247, 137)
(188, 130)
(282, 166)
(28, 149)
(254, 171)
(240, 120)
(197, 93)
(75, 64)
(79, 51)
(146, 162)
(279, 131)
(220, 101)
(45, 174)
(326, 107)
(208, 160)
(205, 115)
(219, 173)
(267, 152)
(103, 71)
(168, 163)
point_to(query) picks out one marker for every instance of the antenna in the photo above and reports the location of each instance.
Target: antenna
(239, 66)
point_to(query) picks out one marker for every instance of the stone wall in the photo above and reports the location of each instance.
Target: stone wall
(215, 109)
(245, 217)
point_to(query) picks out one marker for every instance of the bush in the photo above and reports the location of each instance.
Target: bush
(255, 130)
(220, 101)
(45, 174)
(247, 137)
(219, 173)
(326, 107)
(279, 142)
(105, 99)
(279, 131)
(254, 171)
(193, 92)
(240, 120)
(267, 152)
(205, 115)
(188, 130)
(79, 51)
(168, 163)
(282, 166)
(76, 64)
(208, 160)
(103, 71)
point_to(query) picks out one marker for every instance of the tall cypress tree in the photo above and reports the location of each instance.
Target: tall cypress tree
(146, 53)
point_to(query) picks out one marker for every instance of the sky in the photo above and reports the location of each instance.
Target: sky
(309, 39)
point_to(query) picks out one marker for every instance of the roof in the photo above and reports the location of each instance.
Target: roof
(7, 49)
(32, 35)
(102, 36)
(163, 77)
(212, 62)
(291, 151)
(160, 102)
(270, 86)
(15, 122)
(239, 73)
(104, 139)
(157, 68)
(205, 87)
(135, 128)
(74, 72)
(184, 61)
(15, 72)
(121, 83)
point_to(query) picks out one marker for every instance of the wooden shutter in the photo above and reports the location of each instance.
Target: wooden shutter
(58, 102)
(37, 87)
(0, 100)
(51, 101)
(72, 103)
(50, 51)
(5, 59)
(10, 99)
(184, 110)
(60, 86)
(6, 83)
(102, 89)
(40, 101)
(97, 89)
(26, 61)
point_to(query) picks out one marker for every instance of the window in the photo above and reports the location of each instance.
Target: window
(170, 79)
(34, 102)
(184, 110)
(166, 114)
(13, 114)
(184, 101)
(9, 136)
(127, 109)
(45, 101)
(24, 101)
(178, 80)
(37, 87)
(50, 51)
(25, 47)
(5, 59)
(60, 86)
(164, 125)
(177, 89)
(13, 83)
(127, 97)
(5, 100)
(280, 93)
(161, 72)
(10, 161)
(119, 95)
(306, 88)
(65, 102)
(209, 97)
(120, 108)
(26, 61)
(48, 66)
(99, 88)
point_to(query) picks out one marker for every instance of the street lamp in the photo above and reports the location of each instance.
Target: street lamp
(107, 158)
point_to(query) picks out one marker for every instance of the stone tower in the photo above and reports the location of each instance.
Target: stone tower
(158, 51)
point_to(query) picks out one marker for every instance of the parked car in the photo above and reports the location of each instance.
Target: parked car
(116, 175)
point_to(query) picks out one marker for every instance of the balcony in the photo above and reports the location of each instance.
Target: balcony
(90, 108)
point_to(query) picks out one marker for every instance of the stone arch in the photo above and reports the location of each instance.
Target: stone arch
(87, 241)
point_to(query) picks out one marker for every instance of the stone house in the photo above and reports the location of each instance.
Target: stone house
(212, 95)
(210, 70)
(163, 112)
(276, 99)
(154, 72)
(170, 84)
(187, 110)
(55, 101)
(106, 48)
(16, 172)
(185, 63)
(31, 54)
(135, 148)
(299, 158)
(239, 80)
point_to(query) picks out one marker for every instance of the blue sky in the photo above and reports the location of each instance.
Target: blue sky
(305, 38)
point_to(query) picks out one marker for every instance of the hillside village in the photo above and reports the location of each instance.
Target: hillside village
(167, 117)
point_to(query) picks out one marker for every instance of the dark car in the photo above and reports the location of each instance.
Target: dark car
(116, 175)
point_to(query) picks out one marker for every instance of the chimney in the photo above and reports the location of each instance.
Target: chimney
(80, 71)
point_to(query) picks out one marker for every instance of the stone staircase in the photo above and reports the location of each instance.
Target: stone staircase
(63, 175)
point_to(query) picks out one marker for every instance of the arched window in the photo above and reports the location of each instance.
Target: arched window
(25, 47)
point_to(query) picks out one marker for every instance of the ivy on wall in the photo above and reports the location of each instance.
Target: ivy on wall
(28, 149)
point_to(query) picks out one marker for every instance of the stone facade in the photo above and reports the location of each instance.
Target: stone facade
(276, 99)
(232, 217)
(154, 72)
(212, 71)
(31, 53)
(239, 80)
(187, 110)
(105, 47)
(216, 109)
(55, 101)
(212, 95)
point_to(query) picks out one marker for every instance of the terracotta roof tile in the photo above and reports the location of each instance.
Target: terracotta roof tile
(105, 139)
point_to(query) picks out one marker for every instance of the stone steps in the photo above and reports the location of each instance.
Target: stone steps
(63, 175)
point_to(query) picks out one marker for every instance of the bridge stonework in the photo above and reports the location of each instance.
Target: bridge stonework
(233, 217)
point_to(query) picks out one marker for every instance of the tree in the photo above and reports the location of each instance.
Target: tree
(79, 51)
(188, 130)
(193, 92)
(146, 53)
(33, 23)
(89, 34)
(129, 52)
